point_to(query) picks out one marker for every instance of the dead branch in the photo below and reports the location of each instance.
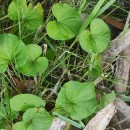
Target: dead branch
(58, 124)
(123, 114)
(120, 44)
(122, 71)
(102, 118)
(117, 46)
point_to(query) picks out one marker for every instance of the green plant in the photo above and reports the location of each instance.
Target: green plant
(97, 39)
(75, 97)
(67, 25)
(12, 51)
(25, 58)
(35, 64)
(35, 116)
(20, 62)
(29, 16)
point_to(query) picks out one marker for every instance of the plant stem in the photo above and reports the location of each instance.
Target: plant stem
(4, 17)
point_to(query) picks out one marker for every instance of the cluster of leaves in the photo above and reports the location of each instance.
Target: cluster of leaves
(73, 98)
(28, 60)
(31, 17)
(35, 116)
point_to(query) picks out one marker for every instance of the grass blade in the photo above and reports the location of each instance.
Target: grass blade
(105, 7)
(92, 15)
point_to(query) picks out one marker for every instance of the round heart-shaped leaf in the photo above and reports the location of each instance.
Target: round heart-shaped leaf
(67, 24)
(15, 9)
(35, 64)
(76, 100)
(97, 39)
(32, 17)
(12, 50)
(19, 126)
(37, 119)
(25, 101)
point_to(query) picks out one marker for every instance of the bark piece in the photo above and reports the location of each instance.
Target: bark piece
(120, 44)
(123, 114)
(58, 124)
(102, 118)
(122, 71)
(117, 46)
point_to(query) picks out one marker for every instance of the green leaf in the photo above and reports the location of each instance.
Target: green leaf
(37, 119)
(16, 9)
(106, 99)
(105, 7)
(19, 126)
(76, 100)
(12, 50)
(32, 17)
(67, 23)
(92, 15)
(97, 39)
(25, 101)
(35, 64)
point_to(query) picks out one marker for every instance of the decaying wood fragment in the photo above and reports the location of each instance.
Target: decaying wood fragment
(113, 22)
(122, 71)
(58, 124)
(102, 118)
(121, 45)
(117, 45)
(123, 114)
